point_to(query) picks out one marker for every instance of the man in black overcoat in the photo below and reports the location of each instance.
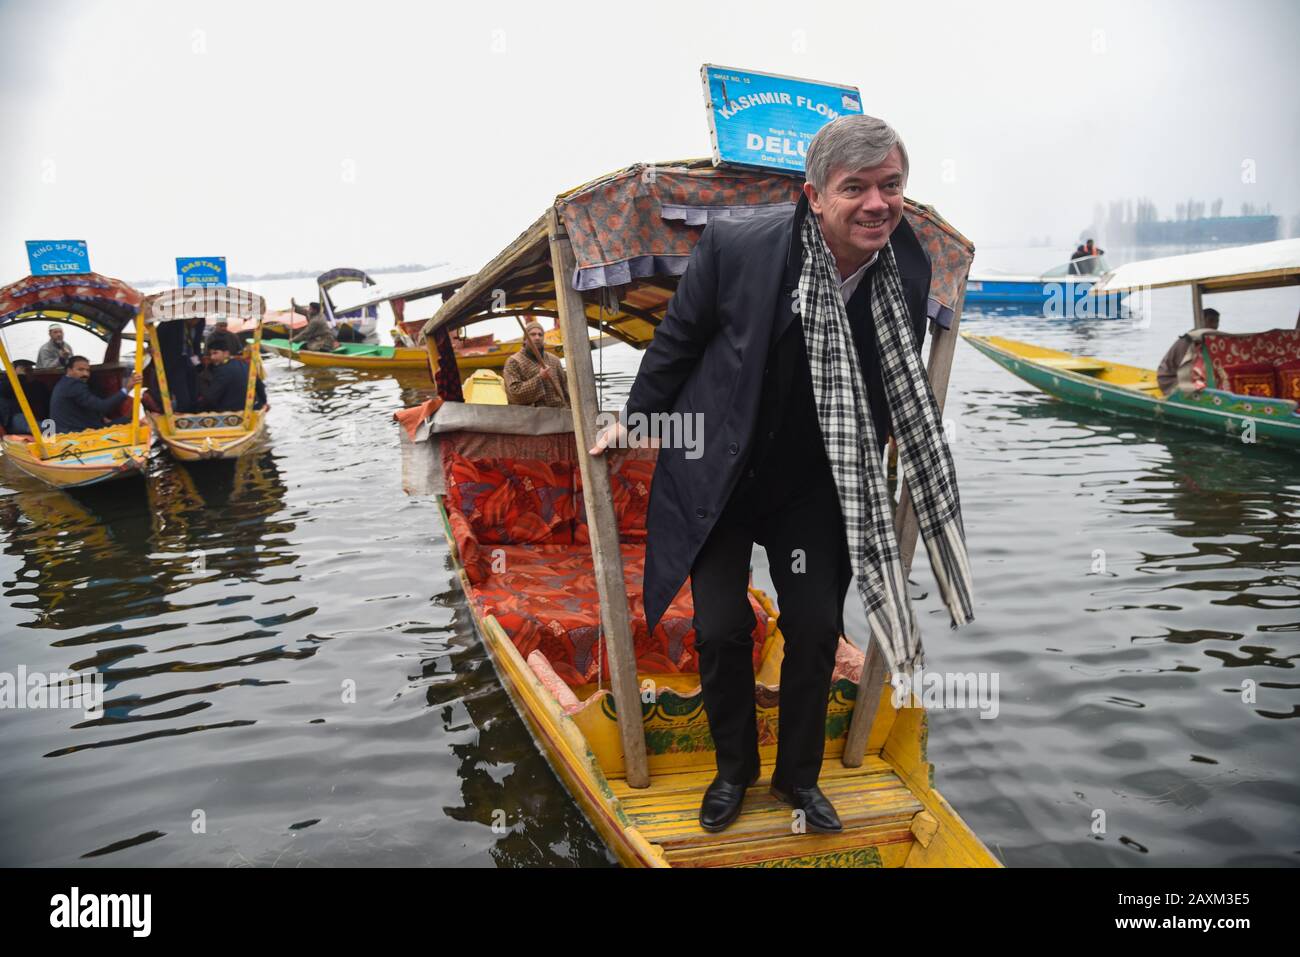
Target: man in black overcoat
(731, 348)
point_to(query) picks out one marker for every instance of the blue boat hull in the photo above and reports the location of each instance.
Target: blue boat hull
(1050, 298)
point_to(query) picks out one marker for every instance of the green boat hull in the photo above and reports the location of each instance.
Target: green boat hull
(1250, 420)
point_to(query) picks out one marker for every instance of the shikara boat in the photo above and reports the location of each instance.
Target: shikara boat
(197, 435)
(104, 307)
(331, 284)
(548, 544)
(1243, 385)
(480, 354)
(353, 355)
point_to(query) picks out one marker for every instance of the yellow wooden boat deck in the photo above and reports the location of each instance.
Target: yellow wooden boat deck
(874, 804)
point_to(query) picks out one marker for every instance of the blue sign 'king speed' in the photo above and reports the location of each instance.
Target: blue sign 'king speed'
(56, 257)
(765, 120)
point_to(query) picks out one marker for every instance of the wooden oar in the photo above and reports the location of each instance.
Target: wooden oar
(293, 311)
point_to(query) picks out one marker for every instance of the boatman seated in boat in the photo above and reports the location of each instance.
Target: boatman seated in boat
(54, 354)
(75, 408)
(316, 336)
(533, 375)
(795, 339)
(1167, 371)
(227, 385)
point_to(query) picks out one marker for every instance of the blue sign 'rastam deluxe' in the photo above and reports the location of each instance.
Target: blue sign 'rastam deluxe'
(58, 257)
(766, 120)
(201, 271)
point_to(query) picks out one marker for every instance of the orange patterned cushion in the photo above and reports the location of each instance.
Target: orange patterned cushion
(545, 598)
(631, 472)
(1251, 378)
(1288, 380)
(512, 501)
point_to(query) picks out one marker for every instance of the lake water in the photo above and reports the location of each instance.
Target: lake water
(293, 678)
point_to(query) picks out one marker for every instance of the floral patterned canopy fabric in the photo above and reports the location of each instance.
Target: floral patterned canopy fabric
(104, 303)
(644, 221)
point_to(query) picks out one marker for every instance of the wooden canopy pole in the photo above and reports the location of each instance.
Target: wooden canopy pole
(139, 370)
(251, 390)
(164, 392)
(601, 521)
(906, 529)
(1198, 319)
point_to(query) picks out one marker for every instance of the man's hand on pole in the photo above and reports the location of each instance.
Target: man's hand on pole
(614, 434)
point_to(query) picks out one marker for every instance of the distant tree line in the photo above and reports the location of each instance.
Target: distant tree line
(1137, 222)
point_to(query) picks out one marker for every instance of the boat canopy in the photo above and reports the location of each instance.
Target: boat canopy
(1258, 266)
(326, 282)
(204, 302)
(632, 232)
(420, 285)
(333, 277)
(99, 304)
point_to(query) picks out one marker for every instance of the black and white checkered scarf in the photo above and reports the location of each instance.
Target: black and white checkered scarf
(850, 436)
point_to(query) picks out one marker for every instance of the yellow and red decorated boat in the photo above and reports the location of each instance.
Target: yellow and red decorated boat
(191, 433)
(481, 352)
(548, 544)
(103, 307)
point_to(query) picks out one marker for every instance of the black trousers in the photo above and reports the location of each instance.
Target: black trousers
(801, 528)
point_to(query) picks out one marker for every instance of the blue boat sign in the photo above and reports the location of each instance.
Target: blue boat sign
(201, 271)
(765, 120)
(58, 257)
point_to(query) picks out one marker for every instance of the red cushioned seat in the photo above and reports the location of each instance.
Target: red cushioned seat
(518, 522)
(1227, 350)
(1251, 378)
(544, 596)
(1288, 380)
(512, 501)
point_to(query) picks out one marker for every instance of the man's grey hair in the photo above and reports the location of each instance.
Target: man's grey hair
(851, 142)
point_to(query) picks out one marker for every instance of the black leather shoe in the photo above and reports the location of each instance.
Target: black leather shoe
(721, 804)
(819, 813)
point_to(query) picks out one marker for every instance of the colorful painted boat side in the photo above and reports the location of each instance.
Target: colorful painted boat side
(80, 459)
(1132, 391)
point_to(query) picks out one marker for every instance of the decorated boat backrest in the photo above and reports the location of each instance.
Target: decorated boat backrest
(208, 420)
(514, 489)
(1265, 364)
(204, 302)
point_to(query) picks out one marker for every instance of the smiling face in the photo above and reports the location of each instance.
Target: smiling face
(859, 210)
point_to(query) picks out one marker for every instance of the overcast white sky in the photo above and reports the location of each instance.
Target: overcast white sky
(289, 135)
